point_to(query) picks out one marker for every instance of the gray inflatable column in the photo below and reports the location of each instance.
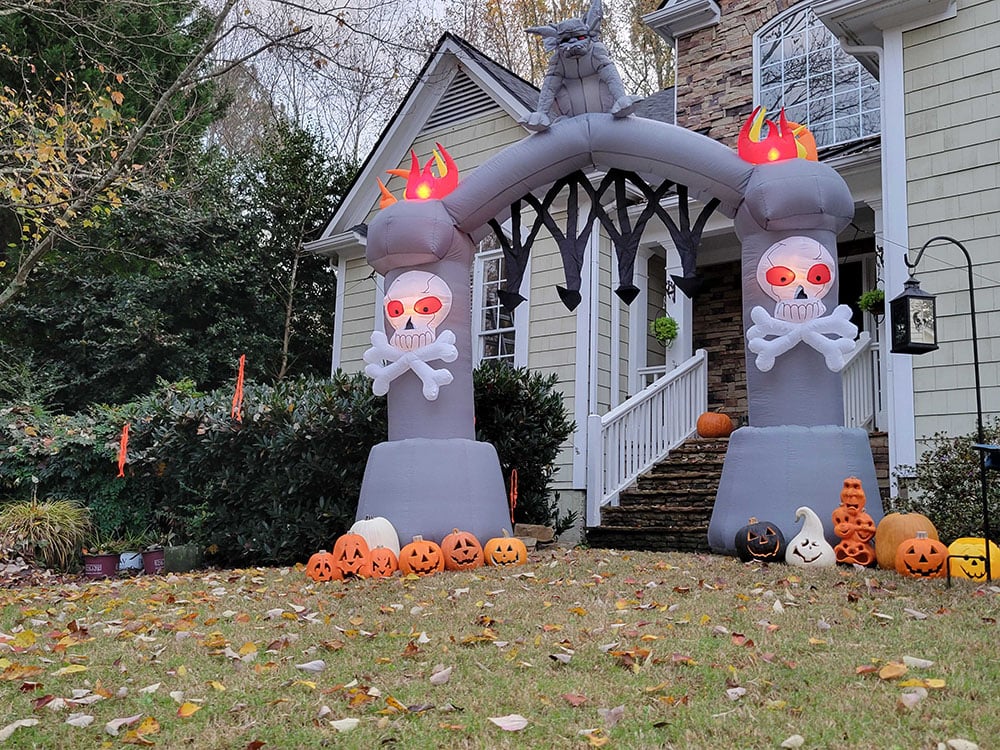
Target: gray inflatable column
(432, 475)
(796, 450)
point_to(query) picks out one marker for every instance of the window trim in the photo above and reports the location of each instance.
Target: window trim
(520, 328)
(807, 8)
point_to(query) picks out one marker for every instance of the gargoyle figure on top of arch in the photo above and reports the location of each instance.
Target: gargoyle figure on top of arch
(581, 76)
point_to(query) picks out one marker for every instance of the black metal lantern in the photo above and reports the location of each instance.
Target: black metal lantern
(913, 320)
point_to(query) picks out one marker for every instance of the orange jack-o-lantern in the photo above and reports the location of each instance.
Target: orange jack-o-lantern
(351, 556)
(922, 557)
(505, 550)
(968, 559)
(421, 557)
(462, 551)
(384, 562)
(322, 566)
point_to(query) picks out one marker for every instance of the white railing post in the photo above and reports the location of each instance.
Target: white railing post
(858, 384)
(595, 469)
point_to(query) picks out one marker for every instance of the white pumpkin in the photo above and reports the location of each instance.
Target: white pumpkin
(809, 548)
(378, 532)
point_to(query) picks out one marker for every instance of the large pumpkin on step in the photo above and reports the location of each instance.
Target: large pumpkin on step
(713, 424)
(421, 557)
(895, 529)
(462, 551)
(351, 556)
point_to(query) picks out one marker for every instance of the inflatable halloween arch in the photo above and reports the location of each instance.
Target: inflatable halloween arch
(431, 475)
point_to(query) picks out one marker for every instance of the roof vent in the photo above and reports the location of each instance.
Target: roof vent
(463, 100)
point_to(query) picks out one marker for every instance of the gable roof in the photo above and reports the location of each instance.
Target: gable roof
(456, 82)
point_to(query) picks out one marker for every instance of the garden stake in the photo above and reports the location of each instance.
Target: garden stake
(237, 410)
(123, 450)
(513, 493)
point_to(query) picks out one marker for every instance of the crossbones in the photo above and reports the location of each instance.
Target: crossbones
(400, 361)
(832, 336)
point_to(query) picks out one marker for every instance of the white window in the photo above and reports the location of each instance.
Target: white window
(799, 65)
(499, 335)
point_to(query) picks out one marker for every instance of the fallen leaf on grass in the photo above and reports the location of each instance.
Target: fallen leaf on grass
(910, 698)
(80, 720)
(595, 737)
(795, 740)
(317, 665)
(735, 693)
(345, 725)
(892, 671)
(441, 675)
(574, 699)
(510, 722)
(914, 663)
(611, 716)
(960, 744)
(8, 730)
(114, 726)
(187, 709)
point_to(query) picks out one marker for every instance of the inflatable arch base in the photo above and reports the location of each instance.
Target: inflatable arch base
(429, 487)
(769, 472)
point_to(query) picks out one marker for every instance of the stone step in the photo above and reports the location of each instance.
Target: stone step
(653, 538)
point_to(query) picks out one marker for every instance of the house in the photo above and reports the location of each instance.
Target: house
(866, 76)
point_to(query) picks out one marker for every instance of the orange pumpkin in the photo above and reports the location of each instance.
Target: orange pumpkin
(714, 424)
(505, 550)
(322, 566)
(351, 556)
(422, 557)
(462, 551)
(384, 562)
(895, 529)
(922, 557)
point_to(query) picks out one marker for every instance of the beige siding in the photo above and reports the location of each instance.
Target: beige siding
(952, 80)
(359, 310)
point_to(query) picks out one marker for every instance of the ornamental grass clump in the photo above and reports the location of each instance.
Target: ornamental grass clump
(50, 532)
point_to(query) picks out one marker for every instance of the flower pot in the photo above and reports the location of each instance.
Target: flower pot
(182, 558)
(129, 561)
(152, 561)
(100, 566)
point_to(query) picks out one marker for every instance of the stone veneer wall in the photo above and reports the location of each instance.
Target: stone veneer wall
(715, 69)
(718, 329)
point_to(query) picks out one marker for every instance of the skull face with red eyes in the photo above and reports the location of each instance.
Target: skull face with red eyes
(797, 273)
(416, 303)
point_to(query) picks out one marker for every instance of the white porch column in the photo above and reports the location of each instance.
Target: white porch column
(678, 307)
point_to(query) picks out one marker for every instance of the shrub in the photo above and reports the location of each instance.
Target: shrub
(945, 485)
(522, 414)
(51, 531)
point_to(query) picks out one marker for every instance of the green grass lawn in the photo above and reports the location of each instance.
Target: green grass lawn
(591, 647)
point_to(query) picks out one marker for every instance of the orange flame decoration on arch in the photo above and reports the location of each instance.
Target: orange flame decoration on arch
(423, 185)
(785, 140)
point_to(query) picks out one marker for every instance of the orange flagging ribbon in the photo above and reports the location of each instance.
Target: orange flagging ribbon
(237, 411)
(123, 450)
(513, 493)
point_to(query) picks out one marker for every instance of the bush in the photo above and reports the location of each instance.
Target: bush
(946, 485)
(522, 414)
(51, 532)
(269, 489)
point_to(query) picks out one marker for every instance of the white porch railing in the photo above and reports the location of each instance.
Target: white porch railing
(636, 434)
(858, 377)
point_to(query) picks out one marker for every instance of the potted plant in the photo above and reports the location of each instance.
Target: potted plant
(873, 302)
(130, 548)
(664, 329)
(101, 556)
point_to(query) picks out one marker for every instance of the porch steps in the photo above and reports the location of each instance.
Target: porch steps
(670, 506)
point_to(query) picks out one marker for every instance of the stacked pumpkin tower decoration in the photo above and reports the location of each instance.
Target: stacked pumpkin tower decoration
(853, 526)
(370, 549)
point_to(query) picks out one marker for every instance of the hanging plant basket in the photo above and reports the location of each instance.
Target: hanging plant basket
(873, 302)
(664, 329)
